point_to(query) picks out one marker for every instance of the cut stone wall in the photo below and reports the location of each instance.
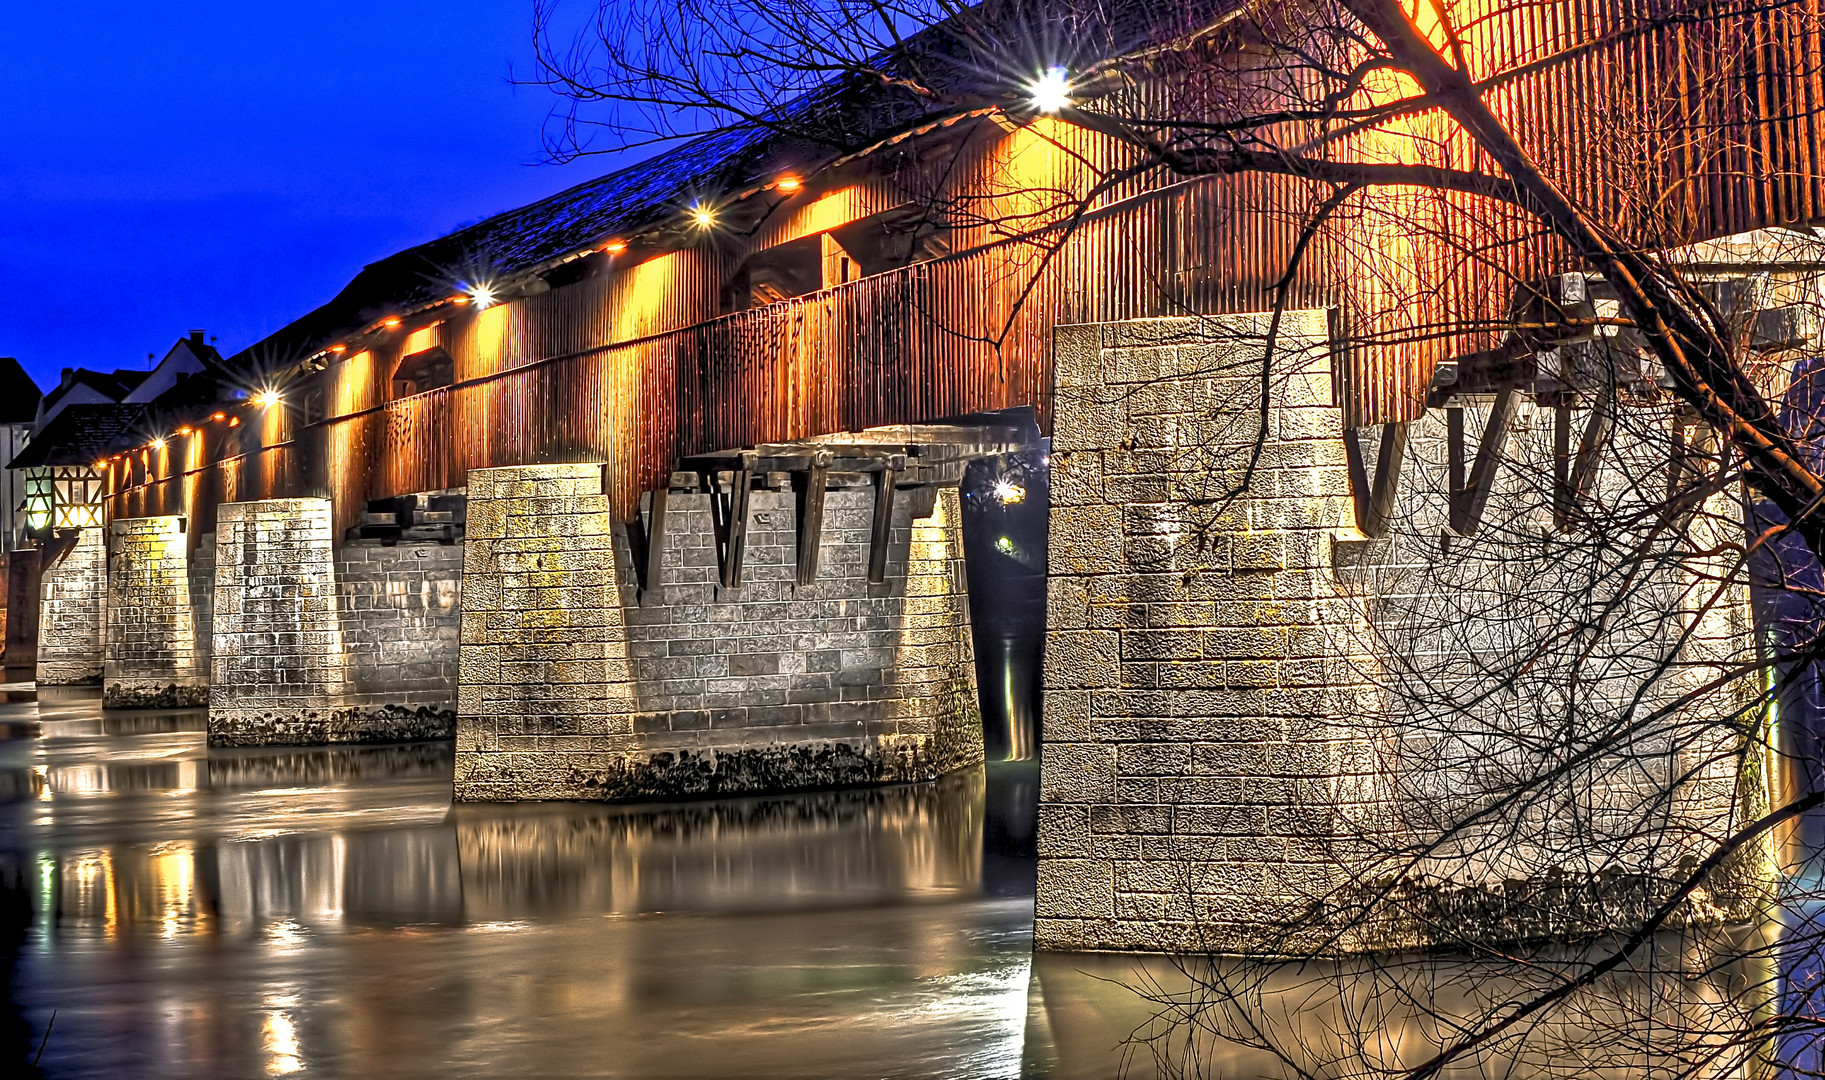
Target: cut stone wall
(202, 595)
(157, 656)
(400, 610)
(1250, 708)
(71, 614)
(287, 667)
(574, 685)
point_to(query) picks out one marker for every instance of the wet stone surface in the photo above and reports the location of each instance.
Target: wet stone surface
(770, 769)
(167, 696)
(317, 726)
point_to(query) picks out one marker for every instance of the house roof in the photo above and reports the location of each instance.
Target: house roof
(19, 395)
(81, 435)
(112, 385)
(82, 432)
(839, 118)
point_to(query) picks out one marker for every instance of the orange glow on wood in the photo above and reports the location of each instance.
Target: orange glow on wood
(420, 340)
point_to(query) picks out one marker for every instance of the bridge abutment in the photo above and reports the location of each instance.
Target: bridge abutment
(577, 685)
(1252, 709)
(71, 614)
(158, 634)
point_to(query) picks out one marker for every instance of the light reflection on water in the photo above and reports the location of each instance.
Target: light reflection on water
(326, 912)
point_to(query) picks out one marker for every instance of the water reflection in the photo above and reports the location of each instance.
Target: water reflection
(823, 848)
(851, 848)
(326, 912)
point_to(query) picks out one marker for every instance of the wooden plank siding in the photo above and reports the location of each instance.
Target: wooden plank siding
(637, 369)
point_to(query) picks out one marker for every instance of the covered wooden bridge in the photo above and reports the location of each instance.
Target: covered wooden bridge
(667, 414)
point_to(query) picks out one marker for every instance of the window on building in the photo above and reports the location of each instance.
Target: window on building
(310, 406)
(873, 245)
(423, 371)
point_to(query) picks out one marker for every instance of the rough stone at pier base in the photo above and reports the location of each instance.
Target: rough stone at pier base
(157, 650)
(72, 612)
(289, 664)
(574, 685)
(1251, 709)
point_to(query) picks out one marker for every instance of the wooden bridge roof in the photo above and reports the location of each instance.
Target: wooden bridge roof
(847, 116)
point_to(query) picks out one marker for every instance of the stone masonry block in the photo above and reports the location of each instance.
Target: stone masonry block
(723, 683)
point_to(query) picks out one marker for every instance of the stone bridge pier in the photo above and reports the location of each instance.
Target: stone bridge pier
(160, 594)
(314, 642)
(758, 630)
(72, 609)
(285, 636)
(1253, 705)
(778, 620)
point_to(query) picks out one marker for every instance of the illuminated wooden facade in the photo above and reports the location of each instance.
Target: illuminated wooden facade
(60, 497)
(622, 347)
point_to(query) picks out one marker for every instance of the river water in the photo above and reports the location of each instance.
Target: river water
(174, 911)
(327, 912)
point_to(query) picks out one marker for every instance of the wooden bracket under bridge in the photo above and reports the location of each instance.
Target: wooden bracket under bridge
(888, 460)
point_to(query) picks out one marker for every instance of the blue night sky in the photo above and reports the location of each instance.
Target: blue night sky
(170, 165)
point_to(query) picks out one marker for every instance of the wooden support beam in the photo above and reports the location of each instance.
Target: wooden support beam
(1573, 473)
(53, 549)
(1679, 460)
(811, 485)
(652, 545)
(730, 516)
(737, 544)
(1375, 502)
(1358, 473)
(1689, 466)
(883, 525)
(1470, 495)
(1562, 458)
(1454, 452)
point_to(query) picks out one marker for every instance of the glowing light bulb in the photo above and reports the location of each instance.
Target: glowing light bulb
(1051, 91)
(1004, 545)
(483, 296)
(615, 247)
(339, 348)
(390, 321)
(158, 444)
(1009, 493)
(703, 216)
(790, 183)
(218, 416)
(183, 431)
(266, 399)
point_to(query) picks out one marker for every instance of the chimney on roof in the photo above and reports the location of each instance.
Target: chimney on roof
(196, 339)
